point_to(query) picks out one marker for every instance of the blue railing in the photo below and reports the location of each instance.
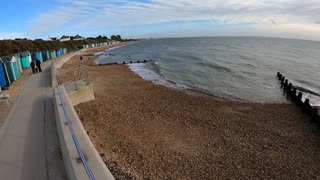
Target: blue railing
(75, 140)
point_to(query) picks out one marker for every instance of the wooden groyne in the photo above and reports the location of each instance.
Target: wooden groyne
(125, 62)
(290, 92)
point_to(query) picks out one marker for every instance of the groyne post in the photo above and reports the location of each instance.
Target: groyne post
(299, 98)
(291, 93)
(289, 88)
(282, 80)
(294, 94)
(285, 85)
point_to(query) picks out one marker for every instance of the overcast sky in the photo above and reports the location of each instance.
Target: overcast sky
(160, 18)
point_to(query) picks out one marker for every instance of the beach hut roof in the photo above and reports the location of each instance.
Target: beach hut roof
(25, 54)
(8, 58)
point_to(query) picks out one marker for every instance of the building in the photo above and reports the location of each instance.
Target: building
(65, 38)
(77, 38)
(52, 39)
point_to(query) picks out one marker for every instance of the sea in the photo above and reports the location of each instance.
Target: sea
(237, 68)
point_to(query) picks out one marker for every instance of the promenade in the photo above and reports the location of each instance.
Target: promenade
(29, 146)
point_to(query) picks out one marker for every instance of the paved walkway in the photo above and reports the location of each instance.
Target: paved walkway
(29, 147)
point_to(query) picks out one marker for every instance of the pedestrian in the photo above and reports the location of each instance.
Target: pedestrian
(32, 65)
(38, 63)
(81, 58)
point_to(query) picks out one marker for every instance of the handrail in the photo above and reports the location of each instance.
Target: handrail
(75, 140)
(81, 74)
(75, 79)
(72, 69)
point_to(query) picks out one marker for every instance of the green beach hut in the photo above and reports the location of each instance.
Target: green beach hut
(53, 54)
(18, 60)
(12, 68)
(25, 59)
(48, 54)
(65, 51)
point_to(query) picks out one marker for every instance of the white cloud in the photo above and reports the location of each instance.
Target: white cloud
(102, 14)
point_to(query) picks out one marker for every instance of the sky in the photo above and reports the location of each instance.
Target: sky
(34, 19)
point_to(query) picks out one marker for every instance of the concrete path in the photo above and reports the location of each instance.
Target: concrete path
(29, 146)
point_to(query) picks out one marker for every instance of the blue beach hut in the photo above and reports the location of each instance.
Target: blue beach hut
(12, 68)
(3, 75)
(38, 55)
(25, 59)
(5, 72)
(44, 57)
(60, 52)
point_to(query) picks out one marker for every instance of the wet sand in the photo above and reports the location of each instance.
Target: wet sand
(148, 131)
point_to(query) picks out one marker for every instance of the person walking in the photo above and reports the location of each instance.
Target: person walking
(38, 63)
(32, 65)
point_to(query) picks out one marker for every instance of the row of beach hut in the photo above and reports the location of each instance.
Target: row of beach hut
(93, 45)
(12, 66)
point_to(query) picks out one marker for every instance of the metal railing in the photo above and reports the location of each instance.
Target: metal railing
(75, 76)
(74, 138)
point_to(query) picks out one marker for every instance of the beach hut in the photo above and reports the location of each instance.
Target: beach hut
(5, 72)
(38, 55)
(30, 57)
(59, 52)
(53, 54)
(48, 54)
(44, 57)
(25, 59)
(65, 51)
(12, 68)
(3, 75)
(18, 60)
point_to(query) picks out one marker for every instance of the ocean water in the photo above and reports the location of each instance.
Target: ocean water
(239, 68)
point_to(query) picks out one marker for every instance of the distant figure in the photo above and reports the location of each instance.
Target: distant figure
(32, 65)
(38, 63)
(81, 58)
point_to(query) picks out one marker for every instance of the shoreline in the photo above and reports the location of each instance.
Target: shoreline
(145, 130)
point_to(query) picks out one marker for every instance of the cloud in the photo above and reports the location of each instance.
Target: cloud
(83, 14)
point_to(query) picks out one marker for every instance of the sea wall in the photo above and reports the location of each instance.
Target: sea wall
(73, 164)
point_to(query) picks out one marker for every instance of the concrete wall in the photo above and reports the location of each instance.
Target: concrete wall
(74, 166)
(84, 94)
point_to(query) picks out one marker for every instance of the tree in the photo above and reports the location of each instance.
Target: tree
(116, 38)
